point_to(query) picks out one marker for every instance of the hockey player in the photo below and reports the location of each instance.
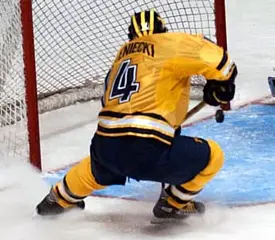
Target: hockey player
(145, 102)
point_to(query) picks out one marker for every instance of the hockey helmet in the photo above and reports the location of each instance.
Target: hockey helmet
(146, 23)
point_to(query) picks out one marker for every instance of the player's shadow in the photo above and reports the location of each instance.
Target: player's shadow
(130, 222)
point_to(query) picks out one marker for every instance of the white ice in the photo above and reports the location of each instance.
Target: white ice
(117, 219)
(66, 135)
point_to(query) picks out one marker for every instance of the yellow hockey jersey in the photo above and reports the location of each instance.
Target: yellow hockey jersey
(147, 88)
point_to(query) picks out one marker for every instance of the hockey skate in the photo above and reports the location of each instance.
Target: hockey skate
(165, 213)
(50, 206)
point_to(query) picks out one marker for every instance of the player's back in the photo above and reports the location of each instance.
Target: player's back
(146, 92)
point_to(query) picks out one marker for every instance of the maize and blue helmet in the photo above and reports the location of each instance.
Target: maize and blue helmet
(146, 23)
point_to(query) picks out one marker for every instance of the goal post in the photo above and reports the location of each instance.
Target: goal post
(220, 22)
(30, 83)
(55, 53)
(221, 33)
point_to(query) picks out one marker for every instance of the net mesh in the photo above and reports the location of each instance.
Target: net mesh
(76, 41)
(13, 133)
(75, 44)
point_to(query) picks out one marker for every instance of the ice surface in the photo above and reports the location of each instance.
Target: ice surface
(116, 219)
(251, 44)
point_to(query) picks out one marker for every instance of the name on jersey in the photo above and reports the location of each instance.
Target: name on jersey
(137, 47)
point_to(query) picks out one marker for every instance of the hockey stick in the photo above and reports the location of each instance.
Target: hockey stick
(219, 115)
(195, 110)
(191, 113)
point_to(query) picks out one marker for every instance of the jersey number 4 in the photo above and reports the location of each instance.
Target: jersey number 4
(124, 84)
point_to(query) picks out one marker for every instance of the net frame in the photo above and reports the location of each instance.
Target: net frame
(32, 96)
(30, 83)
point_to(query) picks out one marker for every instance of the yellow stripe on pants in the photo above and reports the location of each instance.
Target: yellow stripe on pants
(215, 164)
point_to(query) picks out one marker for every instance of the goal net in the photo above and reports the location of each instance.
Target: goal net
(75, 43)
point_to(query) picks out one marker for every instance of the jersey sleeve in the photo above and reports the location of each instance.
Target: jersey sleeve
(200, 56)
(216, 63)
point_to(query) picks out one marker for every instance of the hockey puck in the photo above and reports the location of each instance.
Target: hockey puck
(219, 116)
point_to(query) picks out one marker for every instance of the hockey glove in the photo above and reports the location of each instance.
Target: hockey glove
(216, 92)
